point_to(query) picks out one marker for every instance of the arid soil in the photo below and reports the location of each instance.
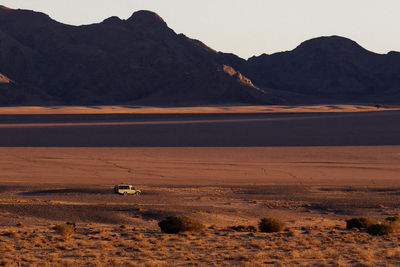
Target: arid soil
(258, 129)
(193, 110)
(313, 189)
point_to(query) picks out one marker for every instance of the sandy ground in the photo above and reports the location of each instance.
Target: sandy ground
(341, 166)
(201, 130)
(192, 110)
(313, 189)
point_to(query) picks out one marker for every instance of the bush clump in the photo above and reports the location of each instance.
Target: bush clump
(381, 229)
(393, 219)
(271, 225)
(65, 230)
(361, 223)
(178, 224)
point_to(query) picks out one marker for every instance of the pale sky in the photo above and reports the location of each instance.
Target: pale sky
(246, 27)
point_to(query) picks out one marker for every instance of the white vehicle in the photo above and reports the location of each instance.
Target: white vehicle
(126, 189)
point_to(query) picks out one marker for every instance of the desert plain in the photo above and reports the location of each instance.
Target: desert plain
(312, 167)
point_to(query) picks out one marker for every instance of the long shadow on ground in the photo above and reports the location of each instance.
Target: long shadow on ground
(66, 191)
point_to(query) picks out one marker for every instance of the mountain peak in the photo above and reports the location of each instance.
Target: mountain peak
(331, 44)
(112, 20)
(145, 17)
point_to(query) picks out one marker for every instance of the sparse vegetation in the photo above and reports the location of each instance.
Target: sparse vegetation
(12, 234)
(271, 225)
(178, 224)
(110, 233)
(361, 223)
(393, 219)
(65, 230)
(381, 229)
(323, 244)
(373, 227)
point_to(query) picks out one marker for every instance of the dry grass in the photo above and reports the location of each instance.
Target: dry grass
(107, 245)
(114, 231)
(66, 230)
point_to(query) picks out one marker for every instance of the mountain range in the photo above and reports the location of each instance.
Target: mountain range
(142, 61)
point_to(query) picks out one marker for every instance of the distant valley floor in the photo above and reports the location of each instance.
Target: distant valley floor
(199, 127)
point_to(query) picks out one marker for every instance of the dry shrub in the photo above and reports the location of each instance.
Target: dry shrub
(361, 223)
(242, 228)
(178, 224)
(381, 229)
(393, 219)
(391, 225)
(66, 229)
(271, 225)
(12, 234)
(6, 262)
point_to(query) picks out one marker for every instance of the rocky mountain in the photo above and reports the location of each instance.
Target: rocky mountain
(331, 67)
(138, 60)
(142, 61)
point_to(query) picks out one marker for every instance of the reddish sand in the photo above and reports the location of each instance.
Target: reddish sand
(311, 170)
(203, 166)
(191, 110)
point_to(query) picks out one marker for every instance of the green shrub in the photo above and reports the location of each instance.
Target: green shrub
(65, 230)
(178, 224)
(270, 225)
(380, 229)
(360, 223)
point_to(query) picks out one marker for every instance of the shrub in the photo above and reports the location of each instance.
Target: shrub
(178, 224)
(66, 229)
(393, 219)
(270, 225)
(360, 223)
(380, 229)
(12, 234)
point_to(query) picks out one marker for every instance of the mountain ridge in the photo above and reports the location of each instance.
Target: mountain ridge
(141, 60)
(330, 66)
(116, 62)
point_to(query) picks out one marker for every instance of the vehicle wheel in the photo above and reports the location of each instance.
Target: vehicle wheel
(137, 193)
(125, 193)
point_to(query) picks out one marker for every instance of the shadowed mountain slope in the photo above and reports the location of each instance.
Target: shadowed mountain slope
(142, 61)
(333, 67)
(138, 60)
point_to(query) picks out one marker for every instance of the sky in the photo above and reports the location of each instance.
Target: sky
(246, 27)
